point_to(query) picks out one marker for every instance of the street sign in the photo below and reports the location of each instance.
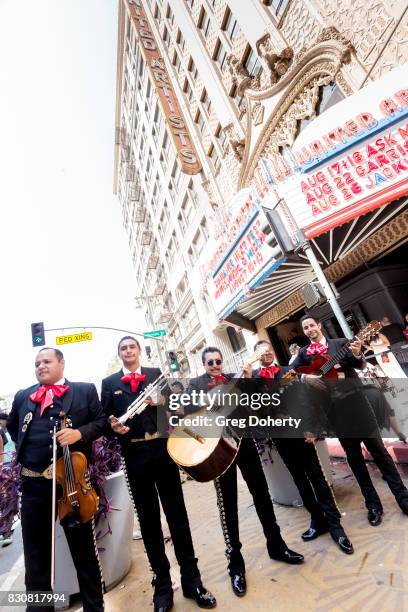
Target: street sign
(73, 338)
(157, 333)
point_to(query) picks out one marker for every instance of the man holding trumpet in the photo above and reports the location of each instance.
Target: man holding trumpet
(152, 475)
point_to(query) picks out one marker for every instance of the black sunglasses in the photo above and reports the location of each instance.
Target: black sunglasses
(211, 362)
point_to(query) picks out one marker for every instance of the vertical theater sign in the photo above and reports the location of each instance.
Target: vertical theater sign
(186, 153)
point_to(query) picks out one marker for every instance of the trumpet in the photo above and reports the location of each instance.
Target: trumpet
(140, 404)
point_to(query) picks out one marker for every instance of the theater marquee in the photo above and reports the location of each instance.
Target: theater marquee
(186, 153)
(353, 158)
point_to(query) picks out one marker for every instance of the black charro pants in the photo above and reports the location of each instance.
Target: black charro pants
(250, 465)
(303, 463)
(384, 462)
(36, 517)
(152, 474)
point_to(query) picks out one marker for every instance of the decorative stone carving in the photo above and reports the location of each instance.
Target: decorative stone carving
(278, 64)
(258, 110)
(239, 75)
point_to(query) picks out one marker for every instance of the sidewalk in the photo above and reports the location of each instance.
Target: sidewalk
(375, 578)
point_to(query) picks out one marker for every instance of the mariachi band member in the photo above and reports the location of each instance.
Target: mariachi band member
(152, 475)
(30, 424)
(358, 413)
(301, 459)
(250, 465)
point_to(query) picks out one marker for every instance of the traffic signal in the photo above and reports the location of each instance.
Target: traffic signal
(172, 361)
(148, 350)
(37, 334)
(277, 235)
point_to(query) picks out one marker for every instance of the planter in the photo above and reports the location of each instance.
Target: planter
(116, 556)
(280, 482)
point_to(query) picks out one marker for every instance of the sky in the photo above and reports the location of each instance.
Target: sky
(64, 255)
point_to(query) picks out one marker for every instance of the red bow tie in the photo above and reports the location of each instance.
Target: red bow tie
(269, 372)
(315, 348)
(45, 395)
(217, 380)
(134, 379)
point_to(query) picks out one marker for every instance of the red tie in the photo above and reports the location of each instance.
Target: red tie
(315, 348)
(45, 395)
(134, 379)
(217, 380)
(268, 372)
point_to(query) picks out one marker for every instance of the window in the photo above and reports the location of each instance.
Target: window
(206, 102)
(190, 3)
(180, 40)
(204, 23)
(187, 208)
(231, 26)
(166, 36)
(188, 90)
(193, 69)
(238, 99)
(220, 56)
(236, 339)
(215, 158)
(252, 63)
(198, 242)
(277, 6)
(176, 62)
(222, 137)
(170, 16)
(200, 122)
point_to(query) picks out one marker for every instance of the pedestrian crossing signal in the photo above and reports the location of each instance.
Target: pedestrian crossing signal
(172, 361)
(37, 334)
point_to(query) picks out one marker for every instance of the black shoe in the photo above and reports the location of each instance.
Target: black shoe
(163, 603)
(314, 532)
(374, 516)
(286, 555)
(404, 507)
(202, 597)
(238, 584)
(344, 544)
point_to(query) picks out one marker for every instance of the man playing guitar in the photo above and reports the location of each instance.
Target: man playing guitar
(319, 345)
(250, 465)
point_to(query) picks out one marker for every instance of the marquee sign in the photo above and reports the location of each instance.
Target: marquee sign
(186, 153)
(357, 160)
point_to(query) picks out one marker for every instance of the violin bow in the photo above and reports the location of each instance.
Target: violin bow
(54, 501)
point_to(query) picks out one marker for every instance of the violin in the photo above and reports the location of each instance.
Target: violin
(79, 501)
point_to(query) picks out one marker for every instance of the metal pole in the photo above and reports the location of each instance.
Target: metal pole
(331, 298)
(150, 312)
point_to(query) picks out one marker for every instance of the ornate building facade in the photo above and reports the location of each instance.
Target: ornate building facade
(249, 76)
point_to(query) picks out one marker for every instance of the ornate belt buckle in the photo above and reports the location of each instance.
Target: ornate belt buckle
(47, 473)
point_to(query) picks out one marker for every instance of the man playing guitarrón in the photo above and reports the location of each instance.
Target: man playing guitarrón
(250, 465)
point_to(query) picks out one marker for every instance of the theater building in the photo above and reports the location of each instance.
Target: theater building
(304, 103)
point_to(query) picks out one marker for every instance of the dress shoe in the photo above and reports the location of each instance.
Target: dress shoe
(374, 516)
(162, 608)
(314, 532)
(238, 584)
(404, 507)
(344, 544)
(286, 555)
(202, 597)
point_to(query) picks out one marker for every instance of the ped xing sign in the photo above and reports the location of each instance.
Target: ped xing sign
(82, 337)
(157, 333)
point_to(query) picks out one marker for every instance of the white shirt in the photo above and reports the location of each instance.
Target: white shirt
(137, 371)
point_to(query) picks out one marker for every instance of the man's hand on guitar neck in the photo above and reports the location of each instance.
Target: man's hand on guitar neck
(247, 371)
(355, 347)
(314, 381)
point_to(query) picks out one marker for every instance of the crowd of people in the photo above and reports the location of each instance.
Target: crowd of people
(153, 478)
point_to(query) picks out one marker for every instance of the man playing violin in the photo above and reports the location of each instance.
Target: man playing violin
(152, 475)
(300, 457)
(353, 413)
(250, 466)
(30, 423)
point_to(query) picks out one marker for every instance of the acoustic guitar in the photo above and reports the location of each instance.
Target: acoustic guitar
(324, 365)
(206, 451)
